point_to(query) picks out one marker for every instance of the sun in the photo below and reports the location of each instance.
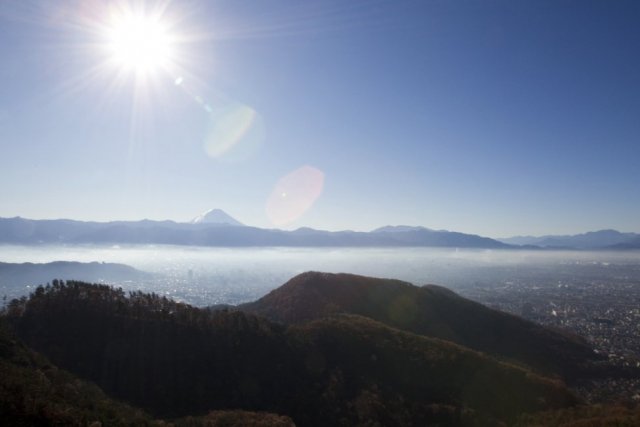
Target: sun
(139, 43)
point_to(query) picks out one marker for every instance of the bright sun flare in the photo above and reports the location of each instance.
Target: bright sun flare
(140, 43)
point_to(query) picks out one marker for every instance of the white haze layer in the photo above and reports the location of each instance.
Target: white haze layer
(206, 276)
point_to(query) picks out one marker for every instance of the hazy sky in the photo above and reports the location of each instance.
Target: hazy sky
(490, 117)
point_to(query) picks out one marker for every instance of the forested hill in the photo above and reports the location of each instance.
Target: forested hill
(431, 311)
(34, 392)
(174, 360)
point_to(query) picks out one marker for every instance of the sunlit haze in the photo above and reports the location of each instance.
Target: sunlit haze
(495, 118)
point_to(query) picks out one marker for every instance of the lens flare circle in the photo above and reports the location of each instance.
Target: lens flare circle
(235, 132)
(294, 194)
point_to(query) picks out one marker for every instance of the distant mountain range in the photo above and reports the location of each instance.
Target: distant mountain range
(603, 239)
(216, 228)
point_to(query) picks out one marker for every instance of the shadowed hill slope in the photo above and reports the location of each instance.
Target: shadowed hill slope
(430, 311)
(175, 360)
(34, 392)
(379, 369)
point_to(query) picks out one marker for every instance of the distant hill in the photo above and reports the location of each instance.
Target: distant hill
(19, 275)
(216, 216)
(203, 233)
(429, 311)
(592, 240)
(174, 360)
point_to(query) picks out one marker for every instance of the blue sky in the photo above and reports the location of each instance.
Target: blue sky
(490, 117)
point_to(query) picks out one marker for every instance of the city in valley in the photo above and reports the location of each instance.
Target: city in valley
(597, 301)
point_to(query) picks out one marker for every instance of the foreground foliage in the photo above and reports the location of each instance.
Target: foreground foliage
(35, 392)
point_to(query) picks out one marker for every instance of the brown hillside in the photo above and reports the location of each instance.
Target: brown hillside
(429, 310)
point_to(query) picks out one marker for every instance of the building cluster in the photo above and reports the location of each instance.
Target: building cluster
(604, 311)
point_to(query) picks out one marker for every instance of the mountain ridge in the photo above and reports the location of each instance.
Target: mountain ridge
(25, 231)
(19, 230)
(600, 239)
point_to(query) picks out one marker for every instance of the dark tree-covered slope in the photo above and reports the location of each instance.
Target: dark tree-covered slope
(389, 375)
(34, 392)
(430, 311)
(175, 360)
